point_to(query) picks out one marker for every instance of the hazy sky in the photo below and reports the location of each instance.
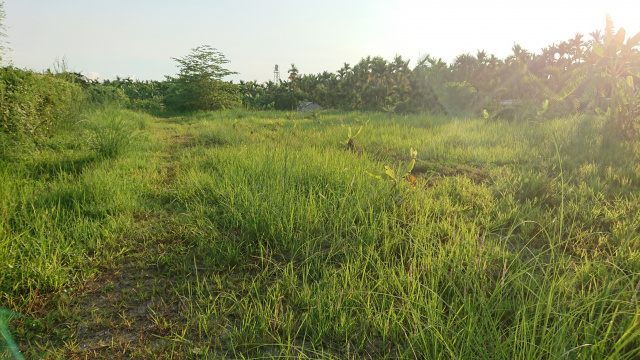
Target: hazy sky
(139, 37)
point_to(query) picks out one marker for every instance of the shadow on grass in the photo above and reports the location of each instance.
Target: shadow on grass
(69, 166)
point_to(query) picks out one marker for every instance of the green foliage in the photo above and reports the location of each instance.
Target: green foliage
(543, 109)
(270, 96)
(60, 205)
(613, 64)
(7, 345)
(618, 61)
(113, 131)
(32, 104)
(128, 93)
(517, 240)
(459, 99)
(199, 84)
(402, 172)
(574, 75)
(350, 136)
(390, 108)
(99, 94)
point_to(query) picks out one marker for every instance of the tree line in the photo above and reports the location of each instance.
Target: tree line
(580, 75)
(594, 74)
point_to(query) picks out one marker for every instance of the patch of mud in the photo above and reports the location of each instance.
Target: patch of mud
(127, 309)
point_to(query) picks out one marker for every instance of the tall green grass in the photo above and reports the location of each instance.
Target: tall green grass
(518, 240)
(65, 205)
(501, 251)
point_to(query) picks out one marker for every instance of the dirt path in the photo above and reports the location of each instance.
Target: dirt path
(132, 310)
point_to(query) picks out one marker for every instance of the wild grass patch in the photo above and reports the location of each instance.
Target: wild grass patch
(245, 234)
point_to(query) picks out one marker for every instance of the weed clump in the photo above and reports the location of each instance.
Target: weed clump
(113, 132)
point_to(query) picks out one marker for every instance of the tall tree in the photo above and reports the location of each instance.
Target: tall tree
(617, 63)
(293, 73)
(199, 84)
(344, 71)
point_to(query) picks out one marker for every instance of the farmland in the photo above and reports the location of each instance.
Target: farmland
(243, 234)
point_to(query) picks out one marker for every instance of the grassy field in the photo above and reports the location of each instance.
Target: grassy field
(262, 235)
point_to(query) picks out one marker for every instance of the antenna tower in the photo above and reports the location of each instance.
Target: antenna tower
(276, 75)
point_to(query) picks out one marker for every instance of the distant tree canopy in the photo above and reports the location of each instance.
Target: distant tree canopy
(598, 76)
(199, 84)
(575, 76)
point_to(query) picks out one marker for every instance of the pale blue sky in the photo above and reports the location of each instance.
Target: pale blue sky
(139, 37)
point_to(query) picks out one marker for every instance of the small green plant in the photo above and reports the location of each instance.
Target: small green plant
(389, 109)
(543, 109)
(363, 123)
(350, 142)
(400, 173)
(488, 116)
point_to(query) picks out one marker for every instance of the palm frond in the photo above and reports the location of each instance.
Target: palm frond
(632, 42)
(577, 79)
(608, 29)
(618, 40)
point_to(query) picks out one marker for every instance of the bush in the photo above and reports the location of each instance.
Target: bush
(154, 106)
(133, 94)
(32, 104)
(204, 95)
(100, 94)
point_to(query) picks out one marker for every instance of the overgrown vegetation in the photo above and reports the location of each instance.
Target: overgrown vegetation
(597, 76)
(244, 234)
(32, 104)
(572, 77)
(253, 234)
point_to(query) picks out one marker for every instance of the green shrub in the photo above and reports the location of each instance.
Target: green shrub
(100, 94)
(32, 104)
(129, 93)
(153, 106)
(204, 95)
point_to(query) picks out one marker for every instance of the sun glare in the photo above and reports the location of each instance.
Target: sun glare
(446, 30)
